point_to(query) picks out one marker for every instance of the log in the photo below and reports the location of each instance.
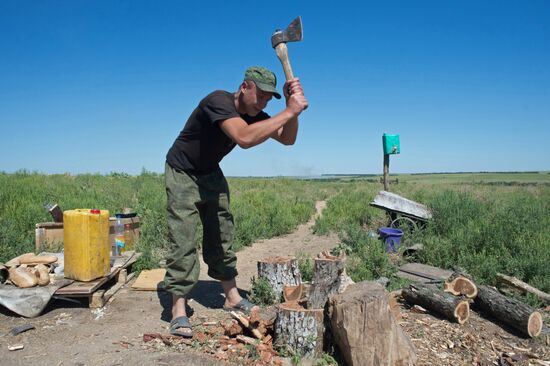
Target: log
(511, 312)
(301, 330)
(431, 298)
(460, 284)
(280, 272)
(329, 278)
(523, 287)
(365, 330)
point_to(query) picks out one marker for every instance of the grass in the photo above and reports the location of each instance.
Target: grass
(483, 223)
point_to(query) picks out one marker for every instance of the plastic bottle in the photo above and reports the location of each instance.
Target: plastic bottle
(120, 240)
(128, 238)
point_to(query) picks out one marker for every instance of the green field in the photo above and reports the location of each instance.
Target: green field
(483, 222)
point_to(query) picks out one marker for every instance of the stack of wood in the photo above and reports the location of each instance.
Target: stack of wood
(453, 303)
(255, 330)
(29, 270)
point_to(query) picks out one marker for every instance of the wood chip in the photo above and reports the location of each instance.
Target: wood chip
(16, 347)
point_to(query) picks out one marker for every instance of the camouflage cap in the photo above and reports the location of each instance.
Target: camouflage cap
(263, 78)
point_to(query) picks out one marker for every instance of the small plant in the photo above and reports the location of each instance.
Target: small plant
(305, 264)
(325, 360)
(262, 292)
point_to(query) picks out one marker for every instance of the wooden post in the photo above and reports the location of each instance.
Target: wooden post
(365, 330)
(301, 330)
(386, 172)
(280, 272)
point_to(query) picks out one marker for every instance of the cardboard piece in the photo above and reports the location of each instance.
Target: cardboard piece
(151, 280)
(50, 234)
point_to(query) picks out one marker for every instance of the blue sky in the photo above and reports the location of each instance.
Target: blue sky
(102, 86)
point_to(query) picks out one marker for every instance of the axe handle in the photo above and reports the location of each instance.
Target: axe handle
(282, 53)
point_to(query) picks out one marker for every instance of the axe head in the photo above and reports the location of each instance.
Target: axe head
(292, 33)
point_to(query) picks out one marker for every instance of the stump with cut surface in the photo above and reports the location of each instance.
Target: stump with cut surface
(365, 330)
(329, 278)
(431, 298)
(460, 284)
(299, 329)
(509, 311)
(280, 272)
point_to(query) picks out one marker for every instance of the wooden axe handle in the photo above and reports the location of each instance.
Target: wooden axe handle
(282, 53)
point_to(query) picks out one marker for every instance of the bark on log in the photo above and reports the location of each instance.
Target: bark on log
(460, 284)
(365, 330)
(302, 330)
(523, 287)
(329, 278)
(431, 298)
(280, 272)
(509, 311)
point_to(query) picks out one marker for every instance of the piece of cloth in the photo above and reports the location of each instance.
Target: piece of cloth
(202, 144)
(29, 302)
(190, 198)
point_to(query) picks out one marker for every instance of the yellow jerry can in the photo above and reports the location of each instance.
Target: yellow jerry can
(86, 244)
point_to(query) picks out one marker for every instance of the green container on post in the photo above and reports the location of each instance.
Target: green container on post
(390, 144)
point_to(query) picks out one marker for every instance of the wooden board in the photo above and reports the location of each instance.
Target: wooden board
(78, 288)
(395, 203)
(152, 280)
(423, 273)
(82, 289)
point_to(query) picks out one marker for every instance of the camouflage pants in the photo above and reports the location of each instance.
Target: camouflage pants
(192, 198)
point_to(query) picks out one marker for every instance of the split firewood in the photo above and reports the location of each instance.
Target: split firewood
(510, 311)
(245, 322)
(523, 287)
(246, 340)
(293, 293)
(451, 307)
(231, 327)
(460, 284)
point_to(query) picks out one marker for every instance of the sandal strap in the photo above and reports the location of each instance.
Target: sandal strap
(180, 322)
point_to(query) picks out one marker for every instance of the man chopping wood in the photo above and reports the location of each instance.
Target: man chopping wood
(197, 189)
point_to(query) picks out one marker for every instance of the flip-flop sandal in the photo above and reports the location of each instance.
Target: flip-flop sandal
(181, 326)
(244, 305)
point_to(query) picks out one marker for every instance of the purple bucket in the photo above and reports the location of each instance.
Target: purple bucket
(392, 238)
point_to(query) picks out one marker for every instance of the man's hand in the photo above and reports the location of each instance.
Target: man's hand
(296, 102)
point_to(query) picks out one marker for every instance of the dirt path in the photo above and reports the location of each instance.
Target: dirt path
(68, 334)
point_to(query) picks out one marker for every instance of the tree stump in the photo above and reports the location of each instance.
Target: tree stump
(365, 330)
(301, 330)
(460, 284)
(329, 278)
(509, 311)
(280, 272)
(431, 298)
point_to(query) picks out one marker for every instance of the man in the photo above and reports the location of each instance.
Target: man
(196, 187)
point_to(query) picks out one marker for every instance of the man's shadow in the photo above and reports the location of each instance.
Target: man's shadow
(207, 293)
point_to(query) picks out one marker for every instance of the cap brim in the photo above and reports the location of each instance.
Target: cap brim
(268, 88)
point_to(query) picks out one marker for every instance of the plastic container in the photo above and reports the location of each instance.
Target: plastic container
(391, 237)
(86, 244)
(120, 239)
(128, 238)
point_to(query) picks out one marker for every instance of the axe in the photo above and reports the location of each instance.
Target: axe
(292, 33)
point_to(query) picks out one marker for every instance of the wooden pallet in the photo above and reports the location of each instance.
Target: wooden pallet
(100, 291)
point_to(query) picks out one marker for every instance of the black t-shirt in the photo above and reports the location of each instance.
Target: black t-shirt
(202, 144)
